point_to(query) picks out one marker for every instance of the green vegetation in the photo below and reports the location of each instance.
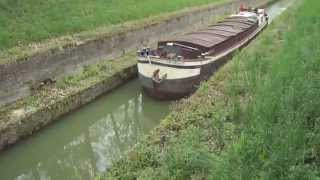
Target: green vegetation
(92, 74)
(34, 20)
(257, 118)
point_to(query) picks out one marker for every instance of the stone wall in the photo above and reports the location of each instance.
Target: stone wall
(17, 78)
(24, 125)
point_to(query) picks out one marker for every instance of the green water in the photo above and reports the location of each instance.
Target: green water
(87, 141)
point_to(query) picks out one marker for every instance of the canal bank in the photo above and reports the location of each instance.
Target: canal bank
(50, 100)
(69, 93)
(193, 141)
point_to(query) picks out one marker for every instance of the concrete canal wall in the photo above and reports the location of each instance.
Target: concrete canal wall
(19, 75)
(20, 124)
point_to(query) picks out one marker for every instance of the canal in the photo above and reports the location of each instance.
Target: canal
(87, 141)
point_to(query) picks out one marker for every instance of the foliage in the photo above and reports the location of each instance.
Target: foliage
(91, 74)
(280, 140)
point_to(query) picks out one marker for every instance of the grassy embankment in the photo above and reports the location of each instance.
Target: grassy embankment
(26, 23)
(105, 71)
(257, 118)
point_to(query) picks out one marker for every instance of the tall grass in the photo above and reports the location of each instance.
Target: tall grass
(34, 20)
(281, 136)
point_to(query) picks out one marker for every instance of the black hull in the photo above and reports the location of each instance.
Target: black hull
(165, 95)
(170, 89)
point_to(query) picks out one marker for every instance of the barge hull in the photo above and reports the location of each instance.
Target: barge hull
(170, 89)
(178, 88)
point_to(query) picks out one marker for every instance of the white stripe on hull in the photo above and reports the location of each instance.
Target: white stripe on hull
(147, 70)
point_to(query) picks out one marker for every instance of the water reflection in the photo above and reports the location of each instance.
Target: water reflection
(111, 136)
(86, 142)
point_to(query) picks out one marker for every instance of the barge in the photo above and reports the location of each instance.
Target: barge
(177, 66)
